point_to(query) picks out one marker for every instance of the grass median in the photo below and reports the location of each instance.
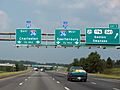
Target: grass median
(8, 74)
(106, 76)
(113, 73)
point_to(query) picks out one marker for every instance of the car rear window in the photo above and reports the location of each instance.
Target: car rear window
(75, 68)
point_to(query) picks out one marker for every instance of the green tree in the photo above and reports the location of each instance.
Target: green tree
(75, 62)
(82, 62)
(20, 67)
(117, 63)
(94, 63)
(109, 63)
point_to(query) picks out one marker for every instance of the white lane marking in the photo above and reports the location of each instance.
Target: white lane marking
(58, 82)
(67, 88)
(25, 79)
(53, 79)
(93, 82)
(28, 77)
(20, 84)
(116, 89)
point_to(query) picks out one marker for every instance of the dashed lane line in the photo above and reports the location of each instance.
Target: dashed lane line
(26, 79)
(66, 88)
(58, 82)
(116, 89)
(20, 84)
(93, 83)
(53, 78)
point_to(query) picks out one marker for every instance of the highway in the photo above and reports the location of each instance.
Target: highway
(36, 80)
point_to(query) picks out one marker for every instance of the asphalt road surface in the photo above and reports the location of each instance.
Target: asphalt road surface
(37, 80)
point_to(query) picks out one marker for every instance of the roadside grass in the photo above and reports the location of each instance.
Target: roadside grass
(64, 69)
(7, 74)
(113, 73)
(106, 76)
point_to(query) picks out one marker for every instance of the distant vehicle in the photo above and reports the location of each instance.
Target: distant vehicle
(35, 69)
(77, 73)
(42, 70)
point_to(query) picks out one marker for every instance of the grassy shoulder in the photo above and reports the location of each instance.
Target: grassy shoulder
(7, 74)
(113, 73)
(106, 76)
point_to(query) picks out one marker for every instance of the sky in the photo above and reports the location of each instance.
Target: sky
(49, 15)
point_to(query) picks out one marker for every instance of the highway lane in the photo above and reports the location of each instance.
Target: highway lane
(37, 80)
(41, 81)
(11, 82)
(93, 83)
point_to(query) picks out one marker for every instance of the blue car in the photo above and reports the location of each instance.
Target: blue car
(77, 73)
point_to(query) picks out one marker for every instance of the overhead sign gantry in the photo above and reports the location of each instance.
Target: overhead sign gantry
(95, 36)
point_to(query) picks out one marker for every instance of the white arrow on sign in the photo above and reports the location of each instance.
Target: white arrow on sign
(76, 42)
(19, 42)
(37, 42)
(70, 31)
(58, 42)
(116, 35)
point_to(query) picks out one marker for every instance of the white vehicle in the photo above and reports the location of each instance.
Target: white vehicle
(42, 69)
(35, 69)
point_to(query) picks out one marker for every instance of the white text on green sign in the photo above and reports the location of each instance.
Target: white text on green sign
(28, 36)
(67, 37)
(102, 36)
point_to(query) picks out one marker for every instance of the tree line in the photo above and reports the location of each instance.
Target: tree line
(15, 61)
(93, 63)
(19, 66)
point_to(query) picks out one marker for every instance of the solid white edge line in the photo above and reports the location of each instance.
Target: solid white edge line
(20, 84)
(116, 89)
(66, 88)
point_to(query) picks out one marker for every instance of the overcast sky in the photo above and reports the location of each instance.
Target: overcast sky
(50, 14)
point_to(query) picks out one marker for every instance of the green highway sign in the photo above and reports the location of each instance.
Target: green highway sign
(102, 36)
(67, 37)
(113, 26)
(28, 36)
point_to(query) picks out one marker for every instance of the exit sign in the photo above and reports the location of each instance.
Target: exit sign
(113, 26)
(102, 36)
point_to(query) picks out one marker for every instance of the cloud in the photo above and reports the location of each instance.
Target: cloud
(111, 8)
(3, 21)
(77, 11)
(76, 4)
(37, 2)
(109, 5)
